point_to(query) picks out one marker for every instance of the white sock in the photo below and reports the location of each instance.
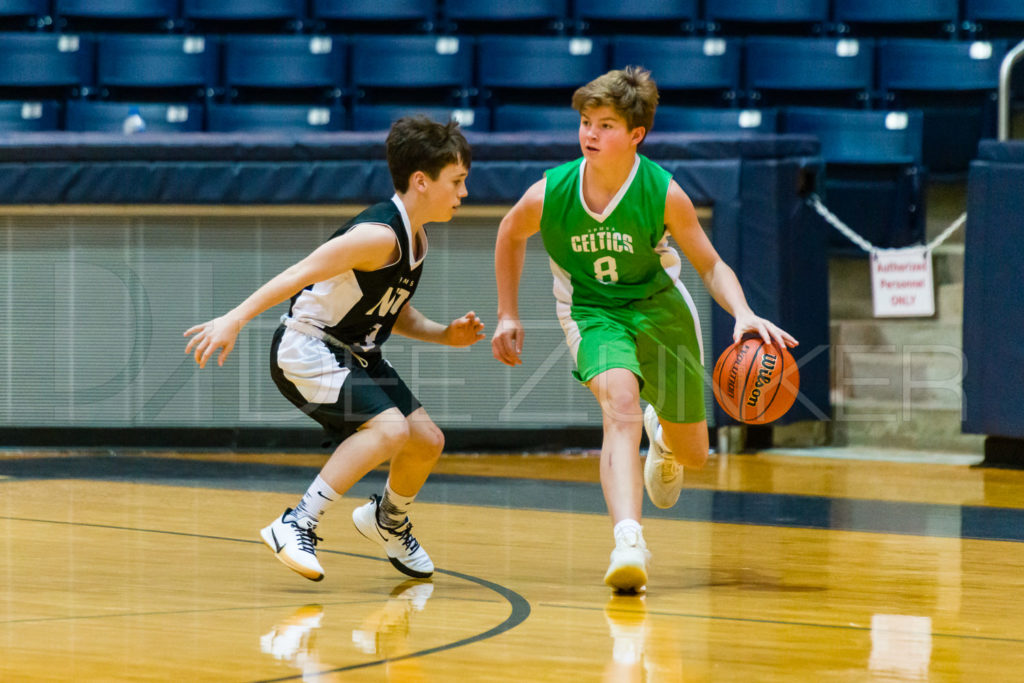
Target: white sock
(318, 497)
(393, 508)
(628, 531)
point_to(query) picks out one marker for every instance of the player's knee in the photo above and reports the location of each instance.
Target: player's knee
(622, 407)
(693, 457)
(429, 439)
(392, 431)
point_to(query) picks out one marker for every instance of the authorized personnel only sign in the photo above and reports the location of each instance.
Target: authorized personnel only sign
(901, 283)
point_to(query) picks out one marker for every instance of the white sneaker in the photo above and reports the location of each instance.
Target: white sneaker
(627, 572)
(399, 544)
(384, 632)
(291, 640)
(627, 622)
(663, 476)
(294, 543)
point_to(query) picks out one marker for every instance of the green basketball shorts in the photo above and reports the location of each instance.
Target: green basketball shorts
(658, 339)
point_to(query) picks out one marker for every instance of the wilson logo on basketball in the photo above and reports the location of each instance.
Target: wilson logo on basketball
(764, 377)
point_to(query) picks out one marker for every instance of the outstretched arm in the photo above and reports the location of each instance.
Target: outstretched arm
(464, 331)
(365, 247)
(516, 227)
(718, 277)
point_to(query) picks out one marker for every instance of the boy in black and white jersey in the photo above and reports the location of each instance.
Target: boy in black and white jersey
(347, 297)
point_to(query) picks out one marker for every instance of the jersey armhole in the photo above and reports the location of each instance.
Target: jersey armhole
(398, 243)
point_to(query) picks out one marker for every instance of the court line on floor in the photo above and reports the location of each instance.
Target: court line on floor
(519, 606)
(785, 510)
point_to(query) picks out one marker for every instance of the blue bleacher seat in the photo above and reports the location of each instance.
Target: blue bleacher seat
(31, 63)
(995, 18)
(651, 16)
(672, 119)
(538, 69)
(359, 16)
(525, 117)
(762, 16)
(274, 118)
(148, 66)
(289, 67)
(107, 15)
(370, 117)
(424, 69)
(89, 115)
(41, 115)
(502, 16)
(244, 15)
(809, 71)
(954, 83)
(24, 14)
(905, 18)
(860, 136)
(695, 70)
(874, 179)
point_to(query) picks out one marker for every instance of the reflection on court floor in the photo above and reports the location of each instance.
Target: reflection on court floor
(770, 569)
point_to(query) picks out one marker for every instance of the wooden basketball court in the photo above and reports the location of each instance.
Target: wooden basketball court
(771, 568)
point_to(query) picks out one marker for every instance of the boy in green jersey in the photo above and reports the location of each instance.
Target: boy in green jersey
(630, 324)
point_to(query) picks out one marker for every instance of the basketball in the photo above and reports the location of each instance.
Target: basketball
(754, 382)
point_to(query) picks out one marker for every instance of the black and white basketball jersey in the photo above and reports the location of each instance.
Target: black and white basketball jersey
(359, 307)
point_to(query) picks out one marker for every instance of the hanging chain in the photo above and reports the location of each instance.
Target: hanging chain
(815, 201)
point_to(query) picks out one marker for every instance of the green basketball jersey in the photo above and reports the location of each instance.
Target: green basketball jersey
(614, 258)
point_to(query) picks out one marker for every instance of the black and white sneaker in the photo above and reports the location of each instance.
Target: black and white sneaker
(401, 546)
(293, 541)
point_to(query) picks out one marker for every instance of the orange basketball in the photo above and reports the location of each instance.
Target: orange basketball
(754, 382)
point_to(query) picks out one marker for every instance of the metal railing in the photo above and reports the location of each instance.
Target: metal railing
(1005, 70)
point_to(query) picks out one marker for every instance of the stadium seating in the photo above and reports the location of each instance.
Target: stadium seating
(111, 15)
(858, 136)
(537, 69)
(954, 83)
(745, 17)
(29, 116)
(524, 117)
(995, 18)
(87, 115)
(670, 17)
(809, 71)
(285, 68)
(24, 14)
(906, 18)
(372, 16)
(691, 71)
(412, 69)
(502, 16)
(874, 180)
(34, 65)
(370, 117)
(244, 16)
(670, 119)
(273, 118)
(155, 67)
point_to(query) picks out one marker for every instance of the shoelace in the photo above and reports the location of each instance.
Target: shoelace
(404, 534)
(669, 470)
(307, 538)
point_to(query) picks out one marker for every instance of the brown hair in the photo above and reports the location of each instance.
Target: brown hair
(415, 143)
(631, 92)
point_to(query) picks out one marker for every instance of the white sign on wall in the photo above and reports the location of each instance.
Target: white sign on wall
(901, 283)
